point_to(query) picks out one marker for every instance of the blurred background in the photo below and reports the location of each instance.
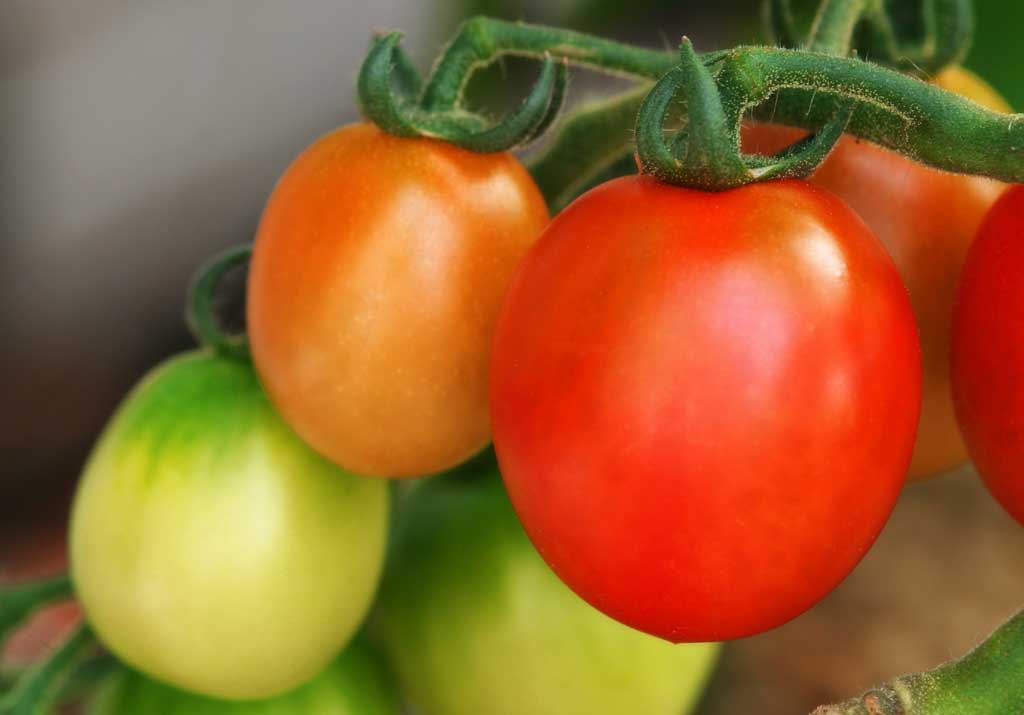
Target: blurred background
(140, 136)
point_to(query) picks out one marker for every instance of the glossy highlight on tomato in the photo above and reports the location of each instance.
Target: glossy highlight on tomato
(211, 548)
(704, 405)
(926, 219)
(376, 279)
(475, 622)
(988, 352)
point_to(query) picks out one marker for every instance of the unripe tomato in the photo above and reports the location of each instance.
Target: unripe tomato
(356, 683)
(376, 278)
(475, 622)
(704, 404)
(988, 352)
(926, 218)
(210, 547)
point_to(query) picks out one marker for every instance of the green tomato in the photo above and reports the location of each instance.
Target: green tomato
(214, 550)
(356, 683)
(475, 622)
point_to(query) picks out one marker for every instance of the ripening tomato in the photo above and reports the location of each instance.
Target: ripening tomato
(356, 683)
(926, 218)
(988, 352)
(476, 623)
(704, 404)
(210, 547)
(376, 278)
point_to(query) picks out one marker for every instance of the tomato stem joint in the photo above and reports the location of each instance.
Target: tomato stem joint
(705, 154)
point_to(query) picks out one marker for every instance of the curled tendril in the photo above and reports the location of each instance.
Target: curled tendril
(922, 38)
(706, 154)
(396, 109)
(919, 37)
(200, 314)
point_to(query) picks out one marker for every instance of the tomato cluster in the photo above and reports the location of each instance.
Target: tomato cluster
(703, 408)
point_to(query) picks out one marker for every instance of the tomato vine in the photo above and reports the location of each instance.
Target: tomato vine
(808, 88)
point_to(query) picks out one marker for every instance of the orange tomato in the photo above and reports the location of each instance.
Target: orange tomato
(375, 283)
(927, 219)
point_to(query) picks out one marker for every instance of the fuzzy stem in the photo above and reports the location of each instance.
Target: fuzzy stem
(832, 31)
(919, 120)
(987, 681)
(914, 118)
(481, 40)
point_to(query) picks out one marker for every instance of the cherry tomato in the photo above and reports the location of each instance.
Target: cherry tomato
(475, 622)
(356, 683)
(376, 279)
(703, 404)
(210, 547)
(926, 218)
(988, 352)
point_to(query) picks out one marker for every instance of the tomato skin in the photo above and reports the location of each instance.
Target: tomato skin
(376, 278)
(210, 547)
(926, 219)
(988, 352)
(355, 683)
(704, 405)
(475, 621)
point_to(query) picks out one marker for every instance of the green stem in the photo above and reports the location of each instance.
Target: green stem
(914, 118)
(832, 31)
(38, 688)
(200, 313)
(18, 601)
(987, 681)
(481, 40)
(893, 110)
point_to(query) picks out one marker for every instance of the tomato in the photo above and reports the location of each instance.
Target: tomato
(988, 352)
(475, 622)
(210, 547)
(704, 404)
(356, 683)
(926, 218)
(376, 278)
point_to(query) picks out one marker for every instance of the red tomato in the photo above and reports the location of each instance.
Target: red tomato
(926, 219)
(376, 279)
(988, 352)
(703, 404)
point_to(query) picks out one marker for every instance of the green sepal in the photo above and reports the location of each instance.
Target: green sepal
(805, 156)
(399, 114)
(525, 124)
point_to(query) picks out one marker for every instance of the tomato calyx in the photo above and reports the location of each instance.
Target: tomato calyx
(399, 111)
(707, 155)
(200, 312)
